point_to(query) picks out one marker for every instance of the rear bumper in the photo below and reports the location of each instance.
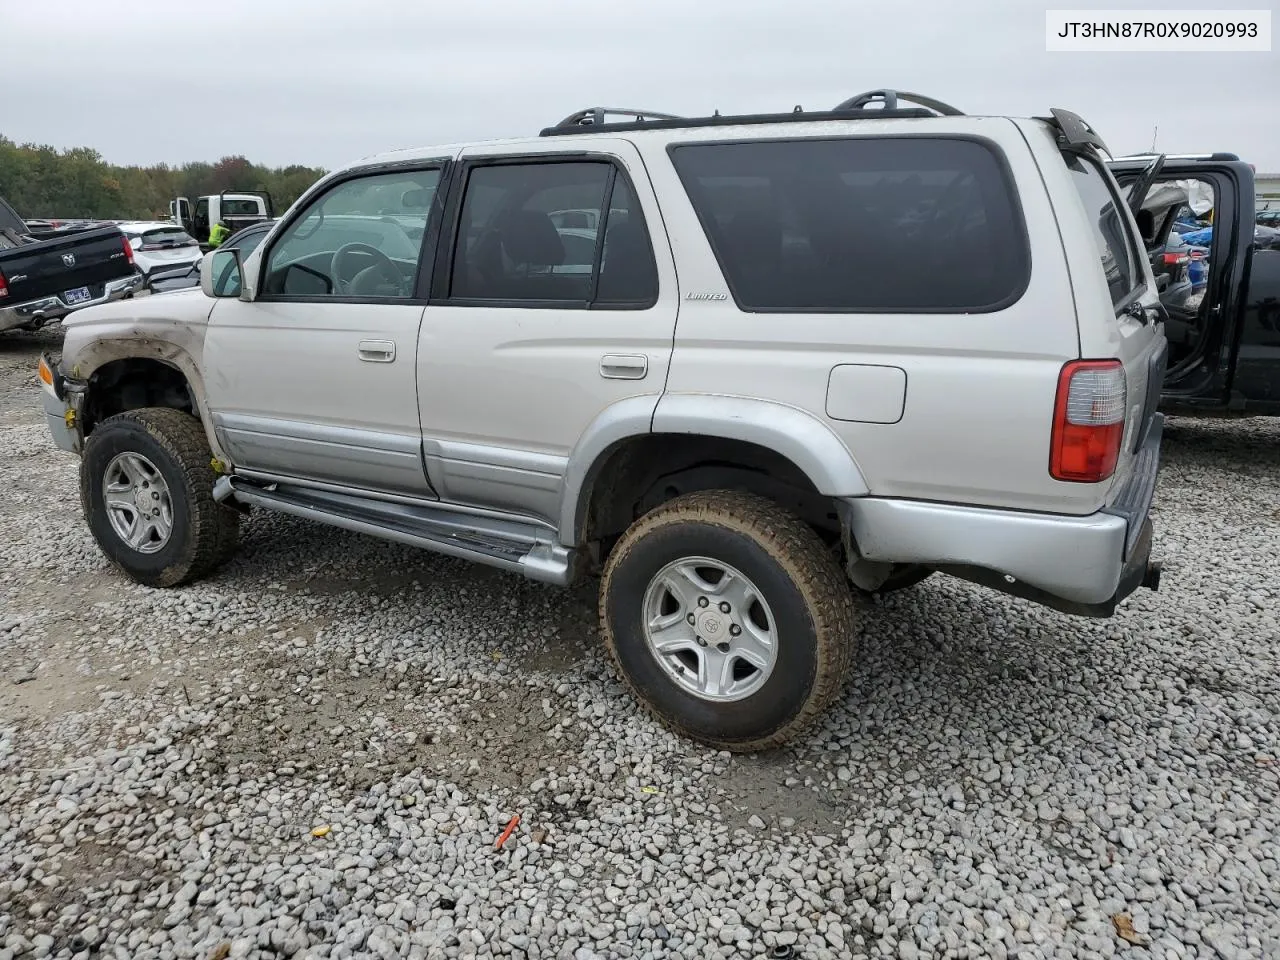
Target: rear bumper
(1077, 565)
(55, 308)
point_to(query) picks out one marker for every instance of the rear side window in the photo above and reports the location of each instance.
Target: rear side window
(1110, 230)
(532, 233)
(239, 208)
(891, 225)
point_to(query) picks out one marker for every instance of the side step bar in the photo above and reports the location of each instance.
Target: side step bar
(505, 544)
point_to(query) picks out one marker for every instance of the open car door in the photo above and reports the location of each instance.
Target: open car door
(180, 211)
(1196, 218)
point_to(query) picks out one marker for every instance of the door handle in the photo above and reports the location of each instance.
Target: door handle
(616, 366)
(377, 351)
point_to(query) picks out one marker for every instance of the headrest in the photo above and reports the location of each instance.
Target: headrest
(529, 237)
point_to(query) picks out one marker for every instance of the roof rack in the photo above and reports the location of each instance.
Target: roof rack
(890, 100)
(595, 119)
(1180, 156)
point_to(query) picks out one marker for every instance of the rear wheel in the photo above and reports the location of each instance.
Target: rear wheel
(146, 485)
(728, 618)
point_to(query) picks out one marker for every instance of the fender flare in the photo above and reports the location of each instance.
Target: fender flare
(94, 356)
(788, 431)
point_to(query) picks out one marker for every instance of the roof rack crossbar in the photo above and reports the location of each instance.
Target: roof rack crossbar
(890, 100)
(596, 116)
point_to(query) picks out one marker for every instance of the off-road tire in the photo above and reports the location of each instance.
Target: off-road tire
(204, 532)
(806, 590)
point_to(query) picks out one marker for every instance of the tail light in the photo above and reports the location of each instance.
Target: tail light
(128, 249)
(4, 286)
(1176, 259)
(1088, 421)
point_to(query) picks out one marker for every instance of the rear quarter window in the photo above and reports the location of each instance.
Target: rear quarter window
(1111, 235)
(860, 224)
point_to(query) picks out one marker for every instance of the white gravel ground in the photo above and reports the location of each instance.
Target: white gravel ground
(999, 780)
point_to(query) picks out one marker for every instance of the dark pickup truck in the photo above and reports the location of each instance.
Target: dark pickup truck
(45, 280)
(1224, 330)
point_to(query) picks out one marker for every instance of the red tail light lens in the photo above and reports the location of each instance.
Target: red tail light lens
(128, 249)
(1175, 259)
(4, 286)
(1088, 421)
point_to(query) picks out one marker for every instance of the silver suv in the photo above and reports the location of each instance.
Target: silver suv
(745, 368)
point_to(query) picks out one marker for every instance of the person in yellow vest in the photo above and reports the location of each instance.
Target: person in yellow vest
(219, 233)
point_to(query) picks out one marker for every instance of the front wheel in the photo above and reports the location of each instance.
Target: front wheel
(146, 485)
(728, 618)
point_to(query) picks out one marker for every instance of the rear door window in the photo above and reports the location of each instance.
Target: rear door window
(531, 233)
(886, 224)
(1110, 226)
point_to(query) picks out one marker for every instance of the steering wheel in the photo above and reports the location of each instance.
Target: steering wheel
(384, 265)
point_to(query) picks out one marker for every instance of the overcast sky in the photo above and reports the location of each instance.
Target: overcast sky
(324, 82)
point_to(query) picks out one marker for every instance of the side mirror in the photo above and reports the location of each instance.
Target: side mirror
(221, 273)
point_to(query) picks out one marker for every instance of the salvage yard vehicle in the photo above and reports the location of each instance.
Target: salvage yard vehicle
(160, 247)
(236, 210)
(45, 280)
(738, 411)
(1224, 346)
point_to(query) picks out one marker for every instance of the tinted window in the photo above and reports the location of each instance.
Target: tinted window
(9, 220)
(531, 232)
(1110, 231)
(628, 273)
(166, 237)
(905, 224)
(247, 243)
(361, 238)
(240, 208)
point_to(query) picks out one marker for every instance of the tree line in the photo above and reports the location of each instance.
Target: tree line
(41, 181)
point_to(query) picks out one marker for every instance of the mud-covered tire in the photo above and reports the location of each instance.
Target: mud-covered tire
(203, 532)
(808, 597)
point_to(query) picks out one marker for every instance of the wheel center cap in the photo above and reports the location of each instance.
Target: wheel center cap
(712, 626)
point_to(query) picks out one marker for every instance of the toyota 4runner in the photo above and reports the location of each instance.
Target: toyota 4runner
(746, 368)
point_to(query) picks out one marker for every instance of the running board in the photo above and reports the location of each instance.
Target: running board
(506, 544)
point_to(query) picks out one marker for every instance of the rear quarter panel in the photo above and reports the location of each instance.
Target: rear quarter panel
(1103, 335)
(975, 426)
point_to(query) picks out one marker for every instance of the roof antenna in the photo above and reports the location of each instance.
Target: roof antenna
(1155, 131)
(717, 113)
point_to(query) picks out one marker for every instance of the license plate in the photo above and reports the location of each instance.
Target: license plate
(78, 295)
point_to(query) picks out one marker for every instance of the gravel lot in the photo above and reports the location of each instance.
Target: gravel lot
(314, 753)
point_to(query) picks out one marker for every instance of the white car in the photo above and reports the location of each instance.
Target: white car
(160, 247)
